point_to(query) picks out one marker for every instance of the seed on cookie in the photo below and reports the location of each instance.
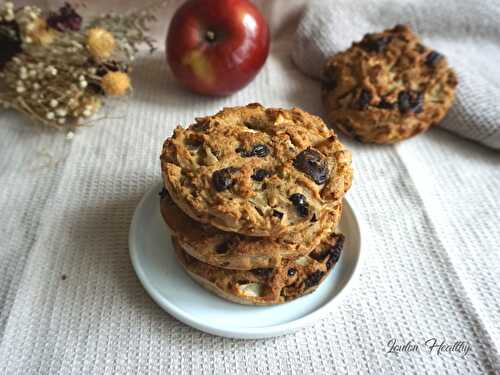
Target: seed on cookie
(313, 279)
(263, 272)
(432, 58)
(278, 214)
(259, 150)
(260, 175)
(372, 43)
(223, 247)
(300, 203)
(292, 272)
(408, 101)
(312, 164)
(364, 99)
(222, 179)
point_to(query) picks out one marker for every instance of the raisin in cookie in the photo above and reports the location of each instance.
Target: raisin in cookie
(256, 171)
(235, 251)
(292, 279)
(388, 87)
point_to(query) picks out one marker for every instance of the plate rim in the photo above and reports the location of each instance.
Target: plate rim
(242, 332)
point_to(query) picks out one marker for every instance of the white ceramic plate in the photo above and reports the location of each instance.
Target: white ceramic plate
(164, 279)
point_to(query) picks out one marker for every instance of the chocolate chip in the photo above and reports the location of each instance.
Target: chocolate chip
(163, 193)
(408, 101)
(260, 174)
(292, 272)
(278, 214)
(223, 247)
(300, 203)
(193, 143)
(222, 178)
(199, 126)
(313, 279)
(259, 150)
(335, 252)
(63, 277)
(329, 80)
(371, 43)
(364, 100)
(399, 28)
(432, 58)
(404, 101)
(264, 272)
(312, 164)
(383, 104)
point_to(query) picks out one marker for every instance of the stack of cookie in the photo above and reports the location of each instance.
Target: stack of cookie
(253, 197)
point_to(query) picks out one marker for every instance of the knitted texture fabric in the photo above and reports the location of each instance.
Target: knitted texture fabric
(70, 302)
(466, 32)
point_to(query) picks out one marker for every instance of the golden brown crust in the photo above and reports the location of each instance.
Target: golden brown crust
(235, 251)
(292, 279)
(238, 169)
(387, 87)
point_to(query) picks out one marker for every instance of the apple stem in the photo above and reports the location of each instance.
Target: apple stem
(210, 36)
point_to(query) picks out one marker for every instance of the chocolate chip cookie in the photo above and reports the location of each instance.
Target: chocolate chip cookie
(235, 251)
(256, 171)
(291, 279)
(387, 87)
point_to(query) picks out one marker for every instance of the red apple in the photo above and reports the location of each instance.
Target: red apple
(216, 47)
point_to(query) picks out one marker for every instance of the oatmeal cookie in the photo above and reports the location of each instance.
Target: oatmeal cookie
(235, 251)
(292, 279)
(387, 87)
(256, 171)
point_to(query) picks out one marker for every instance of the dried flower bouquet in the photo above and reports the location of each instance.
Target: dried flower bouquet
(57, 68)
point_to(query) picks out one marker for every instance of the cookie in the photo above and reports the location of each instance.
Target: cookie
(256, 171)
(387, 87)
(292, 279)
(235, 251)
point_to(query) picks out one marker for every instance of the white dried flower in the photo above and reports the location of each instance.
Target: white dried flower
(70, 135)
(9, 5)
(61, 112)
(81, 78)
(32, 73)
(54, 103)
(50, 115)
(20, 89)
(87, 113)
(83, 84)
(28, 40)
(61, 121)
(36, 86)
(9, 16)
(34, 96)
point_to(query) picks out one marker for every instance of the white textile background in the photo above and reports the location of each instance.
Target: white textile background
(432, 269)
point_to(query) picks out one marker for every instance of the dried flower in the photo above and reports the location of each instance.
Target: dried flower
(100, 43)
(65, 19)
(56, 70)
(39, 32)
(115, 83)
